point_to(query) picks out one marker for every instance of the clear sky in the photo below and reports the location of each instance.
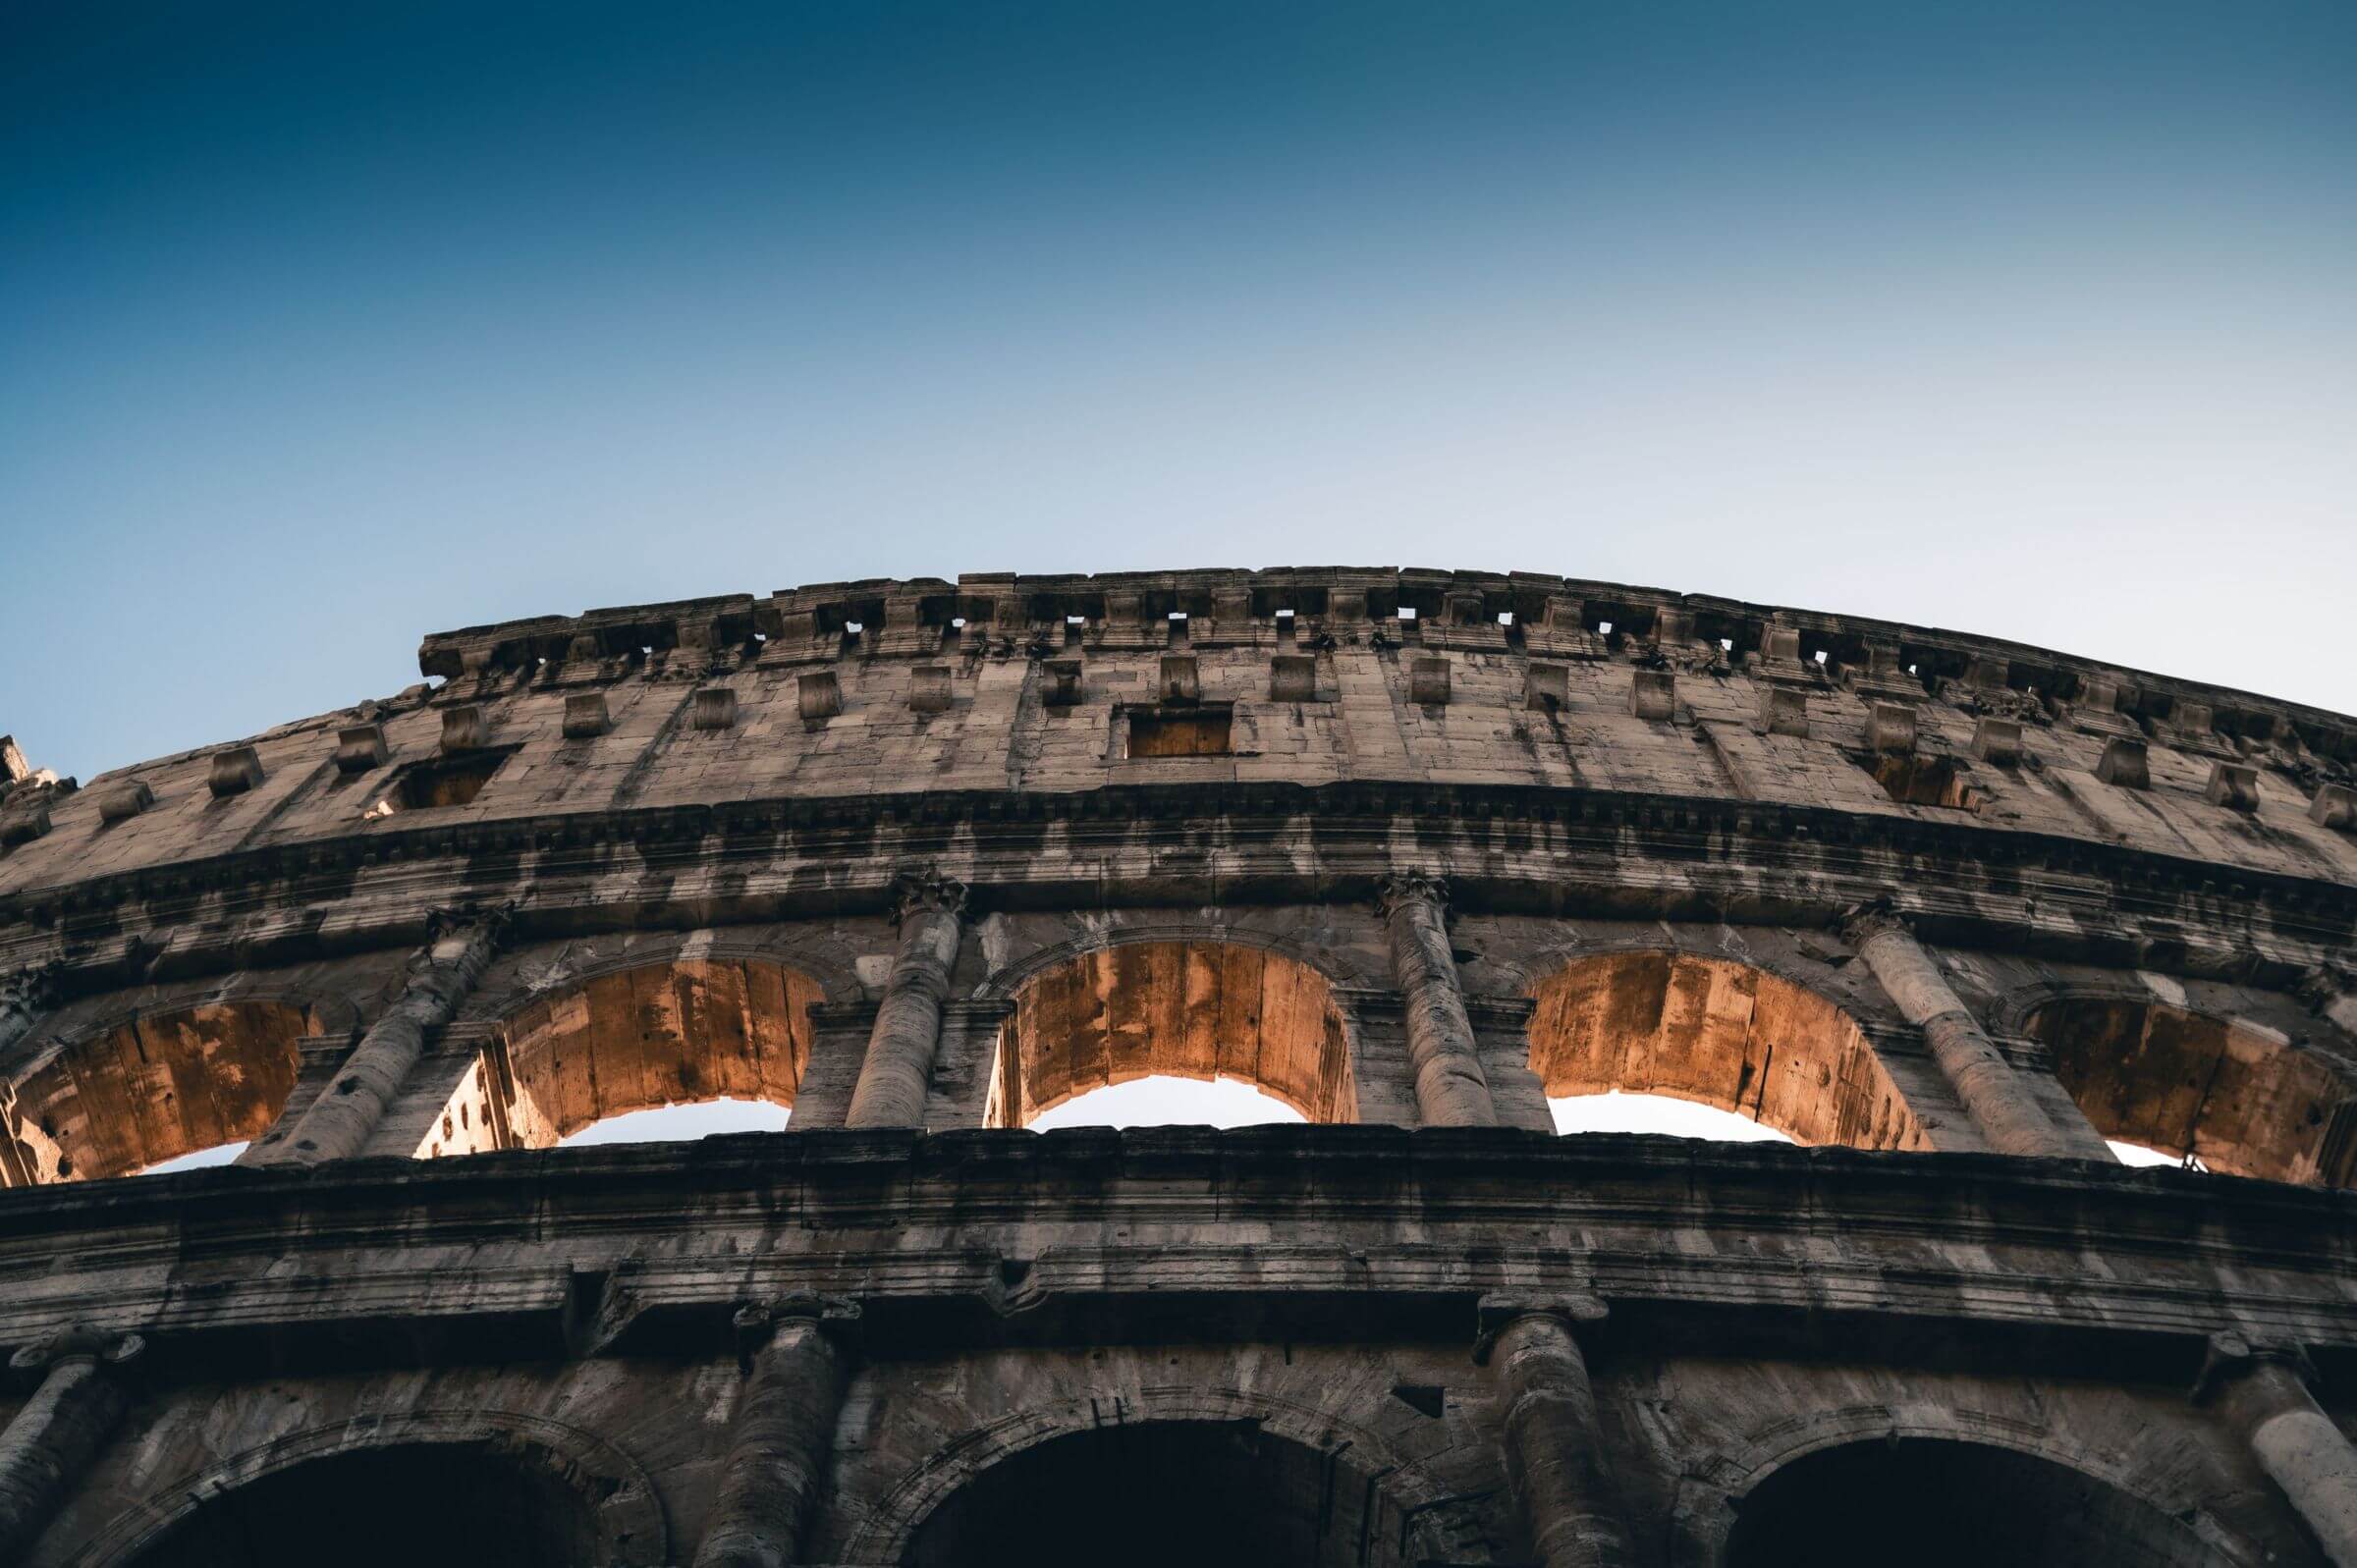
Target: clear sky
(324, 327)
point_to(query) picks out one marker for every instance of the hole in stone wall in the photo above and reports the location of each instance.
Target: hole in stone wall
(1914, 780)
(1191, 733)
(444, 781)
(1198, 1010)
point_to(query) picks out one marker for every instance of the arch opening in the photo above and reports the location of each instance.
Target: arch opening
(152, 1091)
(1720, 1034)
(1939, 1503)
(1162, 1101)
(1200, 1010)
(656, 1038)
(1166, 1493)
(2238, 1098)
(1663, 1116)
(463, 1505)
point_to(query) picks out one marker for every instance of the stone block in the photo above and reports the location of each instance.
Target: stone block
(1547, 687)
(929, 688)
(716, 706)
(1179, 680)
(1781, 643)
(1428, 682)
(1987, 674)
(2234, 785)
(1890, 726)
(361, 747)
(2334, 806)
(24, 822)
(1653, 694)
(586, 716)
(2124, 763)
(465, 729)
(1061, 684)
(233, 771)
(122, 799)
(1783, 711)
(820, 696)
(1292, 678)
(2194, 718)
(1997, 740)
(1671, 627)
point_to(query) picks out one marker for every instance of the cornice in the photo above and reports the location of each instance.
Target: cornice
(1392, 1220)
(1507, 848)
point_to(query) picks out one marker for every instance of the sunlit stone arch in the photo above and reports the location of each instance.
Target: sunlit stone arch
(632, 1036)
(1203, 1008)
(2239, 1095)
(136, 1088)
(1719, 1032)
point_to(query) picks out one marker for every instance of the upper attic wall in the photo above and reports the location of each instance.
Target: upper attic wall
(1051, 685)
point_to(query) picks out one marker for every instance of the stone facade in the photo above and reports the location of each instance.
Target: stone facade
(1413, 851)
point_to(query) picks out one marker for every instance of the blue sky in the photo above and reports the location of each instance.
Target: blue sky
(325, 327)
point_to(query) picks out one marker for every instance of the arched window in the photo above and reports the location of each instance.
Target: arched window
(1250, 1499)
(1935, 1503)
(1198, 1010)
(154, 1090)
(465, 1505)
(690, 1033)
(1717, 1033)
(2238, 1098)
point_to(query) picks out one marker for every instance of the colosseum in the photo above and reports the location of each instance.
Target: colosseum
(1420, 855)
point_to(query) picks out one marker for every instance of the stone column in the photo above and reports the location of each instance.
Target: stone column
(44, 1450)
(338, 1124)
(1553, 1448)
(898, 1071)
(1450, 1089)
(2263, 1393)
(783, 1431)
(2001, 1104)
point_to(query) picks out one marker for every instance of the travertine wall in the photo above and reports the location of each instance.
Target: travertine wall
(918, 859)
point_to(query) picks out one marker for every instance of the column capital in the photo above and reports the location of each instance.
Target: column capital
(2229, 1355)
(1876, 917)
(105, 1347)
(494, 921)
(1409, 888)
(33, 988)
(755, 1321)
(1500, 1311)
(2322, 985)
(926, 891)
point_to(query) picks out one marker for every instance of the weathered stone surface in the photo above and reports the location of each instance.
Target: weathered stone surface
(924, 886)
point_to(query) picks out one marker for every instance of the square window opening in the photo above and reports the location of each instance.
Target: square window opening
(1185, 733)
(443, 782)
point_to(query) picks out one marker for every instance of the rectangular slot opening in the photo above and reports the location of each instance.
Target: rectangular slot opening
(1913, 780)
(445, 782)
(1193, 732)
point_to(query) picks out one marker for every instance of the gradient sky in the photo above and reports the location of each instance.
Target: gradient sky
(324, 327)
